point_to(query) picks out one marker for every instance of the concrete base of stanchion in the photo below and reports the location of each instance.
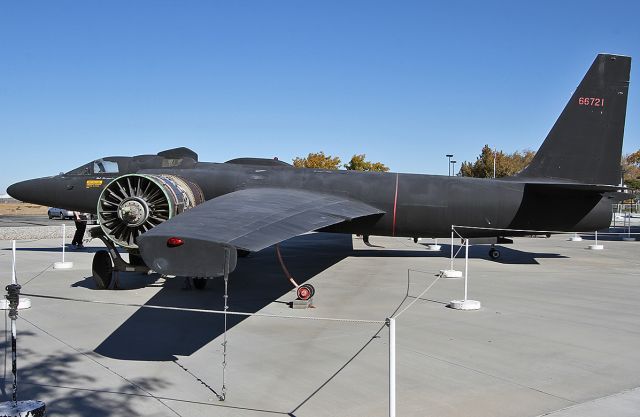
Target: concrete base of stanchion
(575, 239)
(433, 248)
(629, 239)
(464, 305)
(596, 247)
(450, 273)
(23, 303)
(302, 304)
(63, 265)
(30, 408)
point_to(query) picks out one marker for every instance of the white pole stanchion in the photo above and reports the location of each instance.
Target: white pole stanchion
(628, 237)
(24, 302)
(451, 273)
(465, 304)
(575, 238)
(63, 264)
(451, 268)
(13, 262)
(466, 267)
(434, 247)
(596, 246)
(13, 302)
(391, 322)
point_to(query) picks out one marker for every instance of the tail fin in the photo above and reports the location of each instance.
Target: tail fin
(585, 143)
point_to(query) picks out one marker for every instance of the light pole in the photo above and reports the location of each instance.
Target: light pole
(454, 167)
(494, 163)
(449, 156)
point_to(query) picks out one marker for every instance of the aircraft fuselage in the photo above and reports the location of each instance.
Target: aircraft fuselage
(415, 205)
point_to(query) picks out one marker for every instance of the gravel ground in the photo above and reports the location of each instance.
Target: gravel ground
(35, 232)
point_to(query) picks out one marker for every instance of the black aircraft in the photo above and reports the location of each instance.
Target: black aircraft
(187, 218)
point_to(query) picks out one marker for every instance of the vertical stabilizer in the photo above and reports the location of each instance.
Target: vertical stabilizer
(585, 143)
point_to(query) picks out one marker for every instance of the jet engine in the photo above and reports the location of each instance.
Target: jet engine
(132, 204)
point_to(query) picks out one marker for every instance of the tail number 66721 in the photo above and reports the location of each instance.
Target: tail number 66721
(591, 101)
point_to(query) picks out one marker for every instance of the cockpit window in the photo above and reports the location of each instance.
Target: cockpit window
(103, 166)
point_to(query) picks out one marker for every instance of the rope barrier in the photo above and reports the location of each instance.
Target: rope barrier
(199, 310)
(395, 316)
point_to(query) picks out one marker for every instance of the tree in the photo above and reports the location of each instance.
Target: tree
(631, 170)
(317, 160)
(358, 163)
(506, 164)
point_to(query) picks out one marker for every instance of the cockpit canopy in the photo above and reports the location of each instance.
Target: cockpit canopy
(114, 165)
(99, 166)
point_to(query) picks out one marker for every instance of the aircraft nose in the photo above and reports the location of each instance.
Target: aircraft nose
(17, 190)
(30, 191)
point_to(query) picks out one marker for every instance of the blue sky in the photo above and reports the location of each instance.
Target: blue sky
(404, 82)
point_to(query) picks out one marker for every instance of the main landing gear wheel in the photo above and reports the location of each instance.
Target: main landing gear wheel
(102, 269)
(494, 254)
(199, 283)
(305, 292)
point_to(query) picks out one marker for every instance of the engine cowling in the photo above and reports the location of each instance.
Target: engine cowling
(135, 203)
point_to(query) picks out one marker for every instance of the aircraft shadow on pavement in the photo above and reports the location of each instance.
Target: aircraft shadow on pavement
(161, 335)
(128, 281)
(508, 255)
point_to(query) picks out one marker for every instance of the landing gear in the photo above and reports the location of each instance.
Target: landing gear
(102, 269)
(494, 254)
(365, 240)
(108, 263)
(305, 292)
(136, 260)
(199, 283)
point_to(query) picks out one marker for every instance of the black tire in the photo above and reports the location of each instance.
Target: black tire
(494, 254)
(199, 283)
(243, 253)
(102, 269)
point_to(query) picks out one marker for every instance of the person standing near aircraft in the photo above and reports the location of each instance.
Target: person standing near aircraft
(80, 220)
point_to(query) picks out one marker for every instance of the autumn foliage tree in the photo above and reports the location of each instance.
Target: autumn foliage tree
(320, 160)
(631, 170)
(359, 163)
(506, 164)
(317, 160)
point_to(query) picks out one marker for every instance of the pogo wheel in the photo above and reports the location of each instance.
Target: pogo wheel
(305, 291)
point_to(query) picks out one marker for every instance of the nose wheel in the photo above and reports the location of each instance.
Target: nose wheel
(102, 269)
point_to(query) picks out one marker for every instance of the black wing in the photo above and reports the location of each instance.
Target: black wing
(250, 219)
